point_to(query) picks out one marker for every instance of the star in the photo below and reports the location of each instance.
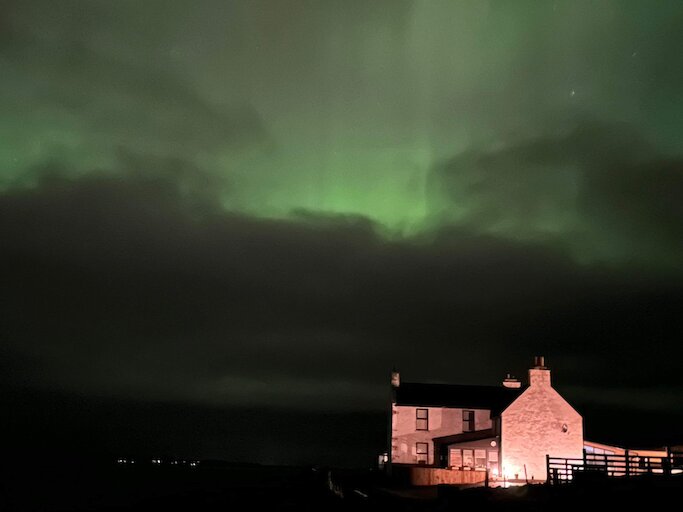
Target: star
(572, 93)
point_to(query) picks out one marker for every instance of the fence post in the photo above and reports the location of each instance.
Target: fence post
(628, 463)
(666, 462)
(547, 467)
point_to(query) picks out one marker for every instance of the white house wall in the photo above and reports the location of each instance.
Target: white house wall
(442, 422)
(533, 426)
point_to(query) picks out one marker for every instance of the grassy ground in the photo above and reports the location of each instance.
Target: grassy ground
(224, 487)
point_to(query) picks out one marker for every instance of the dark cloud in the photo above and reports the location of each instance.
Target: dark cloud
(72, 99)
(123, 288)
(598, 189)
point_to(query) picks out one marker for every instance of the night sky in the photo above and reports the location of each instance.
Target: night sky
(223, 223)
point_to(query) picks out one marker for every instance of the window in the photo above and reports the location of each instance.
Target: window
(473, 459)
(421, 419)
(468, 421)
(480, 459)
(493, 462)
(422, 452)
(455, 458)
(467, 459)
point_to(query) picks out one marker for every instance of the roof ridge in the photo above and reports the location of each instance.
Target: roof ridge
(469, 396)
(497, 386)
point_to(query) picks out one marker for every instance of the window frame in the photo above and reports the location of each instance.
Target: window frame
(478, 464)
(468, 420)
(422, 457)
(421, 423)
(468, 459)
(457, 458)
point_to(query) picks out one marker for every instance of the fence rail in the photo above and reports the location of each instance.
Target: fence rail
(563, 470)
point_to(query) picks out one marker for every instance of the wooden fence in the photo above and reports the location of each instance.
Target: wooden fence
(564, 470)
(435, 476)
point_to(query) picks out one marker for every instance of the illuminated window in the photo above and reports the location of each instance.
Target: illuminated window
(468, 421)
(422, 419)
(455, 458)
(468, 459)
(422, 452)
(480, 459)
(493, 462)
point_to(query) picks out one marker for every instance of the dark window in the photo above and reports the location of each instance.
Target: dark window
(468, 421)
(422, 419)
(422, 452)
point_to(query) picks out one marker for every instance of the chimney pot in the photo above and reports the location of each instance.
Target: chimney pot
(539, 374)
(395, 379)
(511, 382)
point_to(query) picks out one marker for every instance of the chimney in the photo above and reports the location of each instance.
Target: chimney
(395, 378)
(511, 382)
(539, 375)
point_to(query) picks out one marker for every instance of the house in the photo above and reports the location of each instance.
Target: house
(462, 434)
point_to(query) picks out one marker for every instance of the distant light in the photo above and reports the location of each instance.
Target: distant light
(572, 93)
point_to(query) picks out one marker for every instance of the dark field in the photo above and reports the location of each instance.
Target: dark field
(112, 487)
(224, 487)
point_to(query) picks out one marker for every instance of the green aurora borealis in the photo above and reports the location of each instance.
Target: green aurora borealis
(223, 222)
(518, 119)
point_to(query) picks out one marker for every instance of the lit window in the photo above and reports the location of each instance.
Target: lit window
(480, 459)
(493, 462)
(468, 421)
(455, 456)
(468, 459)
(422, 419)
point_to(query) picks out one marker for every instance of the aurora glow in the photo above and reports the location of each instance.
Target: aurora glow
(209, 206)
(352, 107)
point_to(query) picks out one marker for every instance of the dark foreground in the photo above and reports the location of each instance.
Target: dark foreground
(221, 487)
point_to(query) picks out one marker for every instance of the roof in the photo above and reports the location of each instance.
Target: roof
(494, 398)
(463, 437)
